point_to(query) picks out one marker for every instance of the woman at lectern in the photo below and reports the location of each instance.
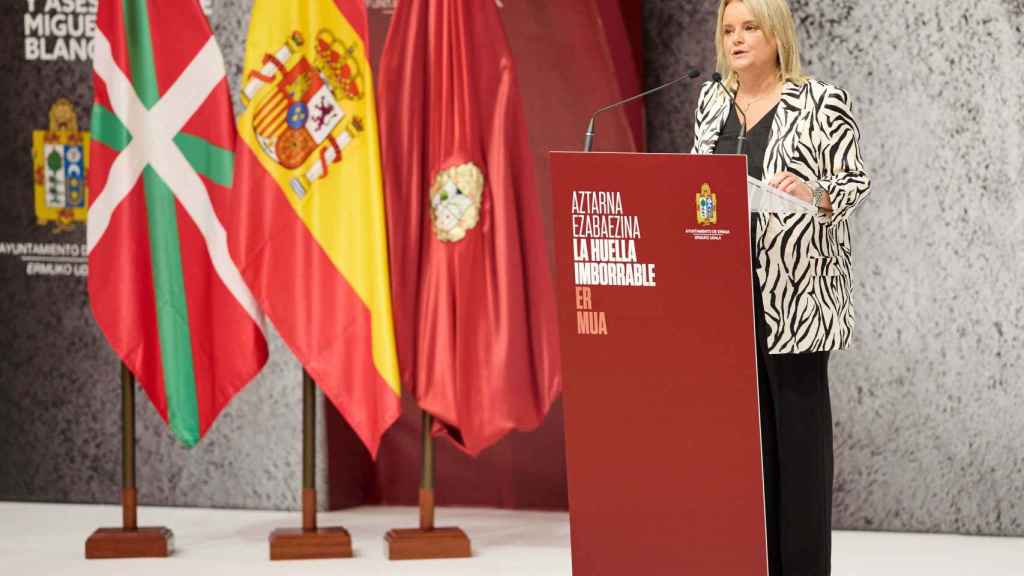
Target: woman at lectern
(800, 136)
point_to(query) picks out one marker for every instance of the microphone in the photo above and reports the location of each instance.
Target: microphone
(589, 140)
(717, 79)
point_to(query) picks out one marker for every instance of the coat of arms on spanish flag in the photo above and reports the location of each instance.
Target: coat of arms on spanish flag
(308, 211)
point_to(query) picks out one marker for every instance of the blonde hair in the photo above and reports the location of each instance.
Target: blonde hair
(776, 20)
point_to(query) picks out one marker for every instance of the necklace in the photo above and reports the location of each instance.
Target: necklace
(753, 101)
(744, 110)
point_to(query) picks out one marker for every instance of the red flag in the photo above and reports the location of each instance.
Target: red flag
(474, 306)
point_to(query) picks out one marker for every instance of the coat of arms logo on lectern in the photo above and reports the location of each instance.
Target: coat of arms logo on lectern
(707, 206)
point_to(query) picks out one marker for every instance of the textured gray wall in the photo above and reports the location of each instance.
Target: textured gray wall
(929, 406)
(59, 412)
(929, 402)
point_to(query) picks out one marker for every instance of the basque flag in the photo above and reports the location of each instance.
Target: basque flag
(162, 285)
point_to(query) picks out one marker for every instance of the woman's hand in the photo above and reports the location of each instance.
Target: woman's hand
(791, 184)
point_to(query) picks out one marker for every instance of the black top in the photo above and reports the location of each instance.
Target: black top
(755, 144)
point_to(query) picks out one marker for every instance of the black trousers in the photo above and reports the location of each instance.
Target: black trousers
(796, 443)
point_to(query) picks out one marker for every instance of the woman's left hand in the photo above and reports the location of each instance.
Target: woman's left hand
(791, 184)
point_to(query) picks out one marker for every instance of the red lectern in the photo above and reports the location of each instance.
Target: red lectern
(658, 360)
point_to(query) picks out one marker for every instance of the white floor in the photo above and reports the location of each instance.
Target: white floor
(39, 539)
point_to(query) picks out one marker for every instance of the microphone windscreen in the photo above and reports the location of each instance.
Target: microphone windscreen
(693, 73)
(716, 77)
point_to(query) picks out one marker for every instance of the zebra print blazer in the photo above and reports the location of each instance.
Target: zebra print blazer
(803, 260)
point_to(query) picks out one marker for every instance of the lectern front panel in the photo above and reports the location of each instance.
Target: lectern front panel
(658, 356)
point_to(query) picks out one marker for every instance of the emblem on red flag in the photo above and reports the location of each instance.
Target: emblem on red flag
(455, 199)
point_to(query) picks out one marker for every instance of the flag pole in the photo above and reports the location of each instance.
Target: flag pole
(308, 452)
(309, 542)
(427, 542)
(129, 497)
(129, 541)
(427, 479)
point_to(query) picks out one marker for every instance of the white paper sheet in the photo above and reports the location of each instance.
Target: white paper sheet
(764, 198)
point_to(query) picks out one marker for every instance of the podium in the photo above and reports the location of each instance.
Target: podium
(655, 313)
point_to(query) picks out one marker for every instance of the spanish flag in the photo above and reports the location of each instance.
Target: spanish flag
(307, 224)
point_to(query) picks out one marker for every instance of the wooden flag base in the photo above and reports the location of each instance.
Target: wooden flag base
(427, 542)
(319, 543)
(129, 541)
(417, 544)
(310, 542)
(149, 542)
